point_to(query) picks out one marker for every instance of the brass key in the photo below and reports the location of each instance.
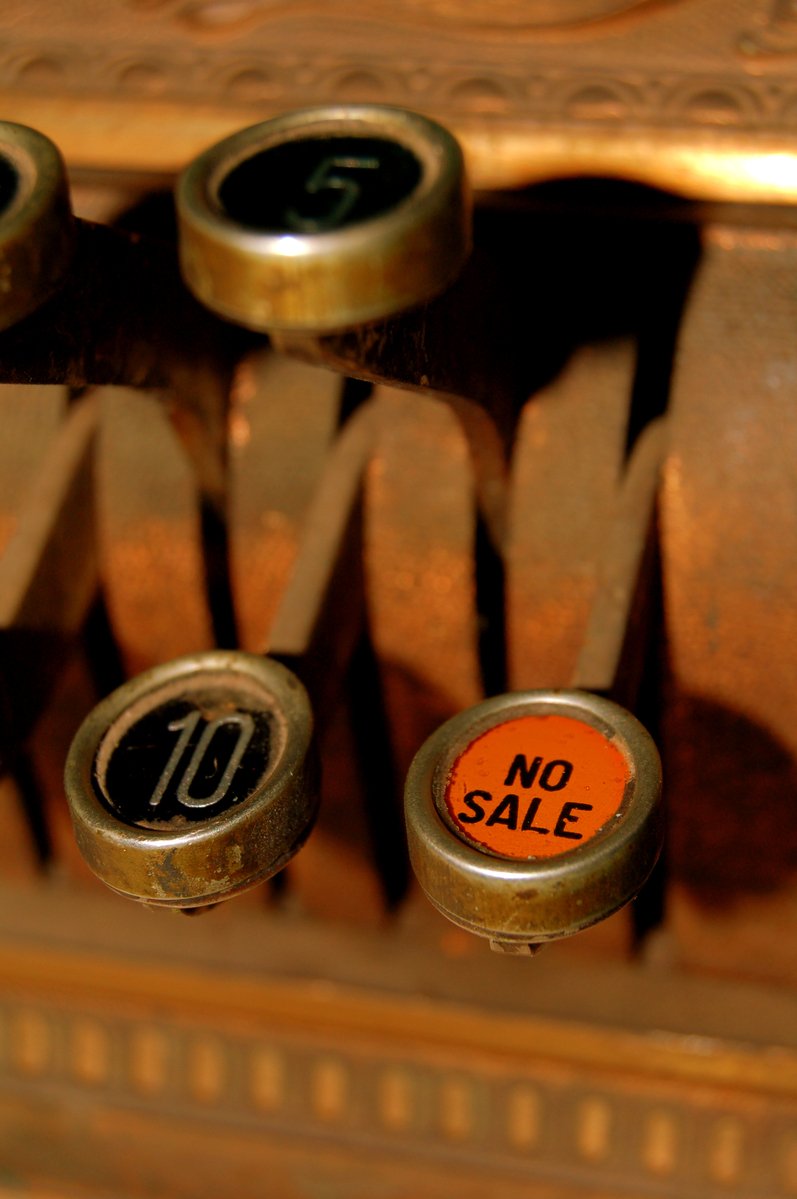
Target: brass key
(37, 231)
(195, 780)
(534, 815)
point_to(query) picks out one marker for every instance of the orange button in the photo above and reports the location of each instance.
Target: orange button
(537, 786)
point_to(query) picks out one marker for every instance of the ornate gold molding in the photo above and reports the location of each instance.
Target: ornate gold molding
(429, 1080)
(601, 86)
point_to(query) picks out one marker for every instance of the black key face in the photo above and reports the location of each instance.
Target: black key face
(186, 758)
(9, 183)
(319, 184)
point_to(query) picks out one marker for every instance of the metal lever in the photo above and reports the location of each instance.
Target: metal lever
(538, 813)
(199, 778)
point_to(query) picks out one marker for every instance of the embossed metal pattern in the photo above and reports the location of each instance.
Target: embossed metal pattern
(696, 97)
(534, 1118)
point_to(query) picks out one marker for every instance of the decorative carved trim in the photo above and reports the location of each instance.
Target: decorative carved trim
(668, 63)
(696, 102)
(777, 36)
(537, 1116)
(676, 93)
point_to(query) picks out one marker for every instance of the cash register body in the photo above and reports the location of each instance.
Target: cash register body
(634, 169)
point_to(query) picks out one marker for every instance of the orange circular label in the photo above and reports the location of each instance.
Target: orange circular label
(537, 786)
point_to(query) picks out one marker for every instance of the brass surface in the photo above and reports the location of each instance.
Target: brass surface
(37, 233)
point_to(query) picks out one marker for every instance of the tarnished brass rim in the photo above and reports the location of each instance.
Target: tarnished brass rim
(229, 852)
(37, 230)
(334, 279)
(539, 899)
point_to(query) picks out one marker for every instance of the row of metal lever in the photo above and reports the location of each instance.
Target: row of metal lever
(344, 234)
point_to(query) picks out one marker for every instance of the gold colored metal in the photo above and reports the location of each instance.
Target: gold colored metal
(518, 902)
(186, 860)
(37, 230)
(693, 96)
(330, 278)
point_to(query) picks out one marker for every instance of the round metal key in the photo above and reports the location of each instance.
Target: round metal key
(535, 815)
(37, 230)
(195, 780)
(325, 218)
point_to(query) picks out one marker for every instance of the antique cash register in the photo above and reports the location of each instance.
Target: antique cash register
(398, 635)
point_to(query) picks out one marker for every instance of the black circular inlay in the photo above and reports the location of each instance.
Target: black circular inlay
(9, 182)
(318, 184)
(189, 758)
